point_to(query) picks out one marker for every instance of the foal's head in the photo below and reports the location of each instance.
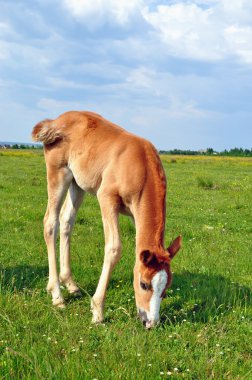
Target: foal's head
(152, 276)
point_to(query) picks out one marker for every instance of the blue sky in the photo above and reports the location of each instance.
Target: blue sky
(175, 72)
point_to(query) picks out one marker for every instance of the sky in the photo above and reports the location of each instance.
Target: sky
(178, 73)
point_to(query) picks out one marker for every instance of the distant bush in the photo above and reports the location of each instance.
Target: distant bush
(206, 183)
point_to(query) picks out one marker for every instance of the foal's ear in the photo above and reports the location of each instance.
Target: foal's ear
(175, 247)
(148, 258)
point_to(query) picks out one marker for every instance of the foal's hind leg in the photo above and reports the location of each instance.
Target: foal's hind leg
(67, 217)
(57, 184)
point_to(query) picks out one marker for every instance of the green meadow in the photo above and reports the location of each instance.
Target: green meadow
(206, 319)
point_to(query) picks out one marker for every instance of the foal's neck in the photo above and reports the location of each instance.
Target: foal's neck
(150, 218)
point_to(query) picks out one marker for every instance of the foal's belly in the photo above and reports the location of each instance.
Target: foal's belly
(88, 180)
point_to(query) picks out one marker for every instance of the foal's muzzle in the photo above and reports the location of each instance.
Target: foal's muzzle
(144, 317)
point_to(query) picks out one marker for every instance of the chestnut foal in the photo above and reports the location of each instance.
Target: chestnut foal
(85, 152)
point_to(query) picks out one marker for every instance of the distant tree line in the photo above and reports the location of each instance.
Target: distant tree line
(235, 152)
(182, 152)
(24, 146)
(20, 146)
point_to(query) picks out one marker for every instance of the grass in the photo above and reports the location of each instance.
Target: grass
(206, 328)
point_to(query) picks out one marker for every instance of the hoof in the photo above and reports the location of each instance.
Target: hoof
(97, 320)
(59, 302)
(76, 293)
(97, 311)
(60, 306)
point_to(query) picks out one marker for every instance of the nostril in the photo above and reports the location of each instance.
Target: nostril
(142, 315)
(149, 325)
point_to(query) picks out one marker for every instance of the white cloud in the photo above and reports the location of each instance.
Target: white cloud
(4, 28)
(240, 42)
(56, 82)
(204, 33)
(141, 77)
(184, 110)
(57, 106)
(236, 11)
(96, 12)
(174, 111)
(197, 29)
(185, 29)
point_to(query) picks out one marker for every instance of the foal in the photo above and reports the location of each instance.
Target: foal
(86, 153)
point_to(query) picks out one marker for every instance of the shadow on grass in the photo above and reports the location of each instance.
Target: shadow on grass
(23, 277)
(192, 297)
(200, 298)
(16, 279)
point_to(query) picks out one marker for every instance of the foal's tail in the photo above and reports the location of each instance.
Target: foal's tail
(47, 132)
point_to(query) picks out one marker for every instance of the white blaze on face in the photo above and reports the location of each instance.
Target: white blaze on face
(158, 283)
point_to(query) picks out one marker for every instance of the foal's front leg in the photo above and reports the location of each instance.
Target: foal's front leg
(109, 210)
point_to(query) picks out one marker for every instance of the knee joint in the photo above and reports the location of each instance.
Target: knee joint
(113, 253)
(66, 225)
(50, 227)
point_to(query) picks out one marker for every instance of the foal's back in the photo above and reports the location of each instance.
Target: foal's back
(96, 151)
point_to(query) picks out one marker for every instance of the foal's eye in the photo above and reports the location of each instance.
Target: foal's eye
(144, 285)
